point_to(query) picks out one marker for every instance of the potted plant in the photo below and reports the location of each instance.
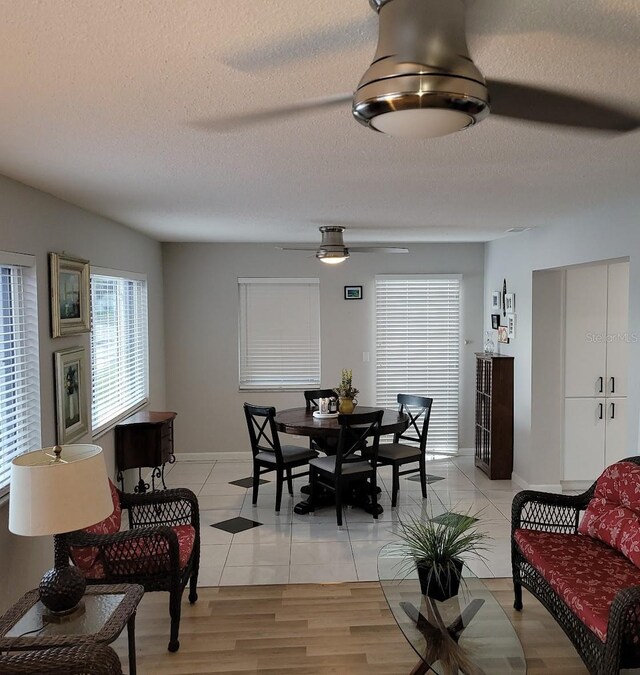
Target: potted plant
(436, 549)
(346, 393)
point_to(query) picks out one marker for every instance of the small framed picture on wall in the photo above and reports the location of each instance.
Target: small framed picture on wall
(503, 335)
(495, 321)
(353, 292)
(496, 301)
(510, 303)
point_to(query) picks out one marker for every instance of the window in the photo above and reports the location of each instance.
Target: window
(19, 369)
(418, 348)
(119, 347)
(279, 327)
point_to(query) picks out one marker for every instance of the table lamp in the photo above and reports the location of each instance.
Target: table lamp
(56, 491)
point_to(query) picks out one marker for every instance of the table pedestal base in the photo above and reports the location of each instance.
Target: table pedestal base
(356, 495)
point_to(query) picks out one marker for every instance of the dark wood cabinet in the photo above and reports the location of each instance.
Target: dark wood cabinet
(145, 440)
(494, 415)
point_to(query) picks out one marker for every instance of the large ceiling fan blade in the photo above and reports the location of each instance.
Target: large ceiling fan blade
(377, 249)
(538, 104)
(239, 122)
(297, 248)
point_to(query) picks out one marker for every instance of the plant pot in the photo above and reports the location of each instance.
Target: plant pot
(440, 587)
(346, 406)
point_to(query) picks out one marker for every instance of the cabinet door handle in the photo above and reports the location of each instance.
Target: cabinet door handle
(613, 411)
(613, 385)
(601, 409)
(601, 385)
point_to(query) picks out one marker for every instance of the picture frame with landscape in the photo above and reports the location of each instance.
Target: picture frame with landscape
(70, 300)
(71, 394)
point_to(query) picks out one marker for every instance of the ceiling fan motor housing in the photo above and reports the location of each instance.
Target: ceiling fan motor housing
(332, 244)
(422, 63)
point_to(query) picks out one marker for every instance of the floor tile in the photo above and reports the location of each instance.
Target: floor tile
(252, 555)
(269, 533)
(454, 519)
(254, 576)
(318, 532)
(247, 482)
(315, 553)
(212, 502)
(220, 489)
(235, 525)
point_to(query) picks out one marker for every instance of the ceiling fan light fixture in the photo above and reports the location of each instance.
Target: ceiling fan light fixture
(332, 257)
(422, 82)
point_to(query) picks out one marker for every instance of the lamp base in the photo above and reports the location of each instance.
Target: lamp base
(62, 588)
(65, 616)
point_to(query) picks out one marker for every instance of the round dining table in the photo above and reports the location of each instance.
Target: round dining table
(325, 432)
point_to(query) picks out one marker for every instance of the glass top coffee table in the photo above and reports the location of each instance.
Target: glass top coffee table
(468, 634)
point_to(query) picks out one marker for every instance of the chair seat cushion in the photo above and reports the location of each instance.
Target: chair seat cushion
(613, 514)
(584, 572)
(395, 451)
(139, 557)
(290, 454)
(328, 464)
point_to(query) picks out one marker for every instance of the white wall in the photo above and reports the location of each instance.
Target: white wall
(201, 319)
(598, 235)
(36, 223)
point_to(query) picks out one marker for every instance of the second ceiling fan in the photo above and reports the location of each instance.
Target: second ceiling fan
(423, 83)
(332, 249)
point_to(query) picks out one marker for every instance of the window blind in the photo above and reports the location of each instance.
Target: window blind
(418, 348)
(19, 369)
(119, 347)
(279, 333)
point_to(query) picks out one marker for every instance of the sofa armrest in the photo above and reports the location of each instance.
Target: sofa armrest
(624, 624)
(547, 511)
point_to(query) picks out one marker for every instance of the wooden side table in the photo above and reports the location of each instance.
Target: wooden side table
(145, 440)
(108, 609)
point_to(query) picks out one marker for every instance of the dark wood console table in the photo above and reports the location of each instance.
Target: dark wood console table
(145, 440)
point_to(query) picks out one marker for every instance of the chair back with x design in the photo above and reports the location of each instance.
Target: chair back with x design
(355, 430)
(263, 432)
(418, 409)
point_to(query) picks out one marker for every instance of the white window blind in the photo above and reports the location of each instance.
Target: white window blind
(418, 348)
(19, 369)
(279, 333)
(119, 346)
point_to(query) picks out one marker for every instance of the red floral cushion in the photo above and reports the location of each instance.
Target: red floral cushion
(85, 556)
(584, 572)
(138, 556)
(613, 515)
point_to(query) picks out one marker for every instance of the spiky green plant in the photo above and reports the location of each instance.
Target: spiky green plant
(437, 545)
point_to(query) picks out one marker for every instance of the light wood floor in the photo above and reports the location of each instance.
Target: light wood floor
(338, 629)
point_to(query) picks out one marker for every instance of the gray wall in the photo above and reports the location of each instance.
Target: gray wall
(36, 223)
(598, 235)
(201, 320)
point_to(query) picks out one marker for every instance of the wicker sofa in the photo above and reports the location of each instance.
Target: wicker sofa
(580, 556)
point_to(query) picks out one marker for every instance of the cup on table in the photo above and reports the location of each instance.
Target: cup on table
(323, 405)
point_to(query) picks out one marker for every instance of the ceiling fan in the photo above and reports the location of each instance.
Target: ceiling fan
(423, 83)
(332, 249)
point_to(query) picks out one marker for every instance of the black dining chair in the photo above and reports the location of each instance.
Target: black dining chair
(311, 399)
(312, 396)
(399, 453)
(354, 459)
(269, 455)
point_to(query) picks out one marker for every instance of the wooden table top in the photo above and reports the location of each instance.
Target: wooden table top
(147, 417)
(302, 423)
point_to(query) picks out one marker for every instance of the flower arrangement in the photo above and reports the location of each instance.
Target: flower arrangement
(346, 388)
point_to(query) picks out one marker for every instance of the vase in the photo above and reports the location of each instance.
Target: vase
(440, 587)
(347, 405)
(489, 346)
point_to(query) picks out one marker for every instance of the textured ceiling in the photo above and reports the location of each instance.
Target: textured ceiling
(100, 100)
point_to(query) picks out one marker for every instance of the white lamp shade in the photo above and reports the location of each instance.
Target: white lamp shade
(421, 122)
(53, 497)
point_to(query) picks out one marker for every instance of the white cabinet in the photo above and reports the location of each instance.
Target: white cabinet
(596, 357)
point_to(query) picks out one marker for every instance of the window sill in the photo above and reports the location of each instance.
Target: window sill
(114, 422)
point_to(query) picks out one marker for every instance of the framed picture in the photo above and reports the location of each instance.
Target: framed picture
(71, 394)
(353, 292)
(511, 326)
(70, 314)
(510, 303)
(496, 301)
(503, 335)
(495, 321)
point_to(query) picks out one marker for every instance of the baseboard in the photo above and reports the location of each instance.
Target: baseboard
(213, 456)
(551, 487)
(577, 484)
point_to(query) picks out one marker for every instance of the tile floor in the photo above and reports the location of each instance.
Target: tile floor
(292, 548)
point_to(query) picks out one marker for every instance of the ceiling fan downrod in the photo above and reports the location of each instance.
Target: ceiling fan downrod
(422, 82)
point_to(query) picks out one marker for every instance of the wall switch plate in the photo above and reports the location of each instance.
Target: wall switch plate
(365, 357)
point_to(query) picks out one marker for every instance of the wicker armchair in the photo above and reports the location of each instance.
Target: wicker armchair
(561, 513)
(160, 551)
(86, 659)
